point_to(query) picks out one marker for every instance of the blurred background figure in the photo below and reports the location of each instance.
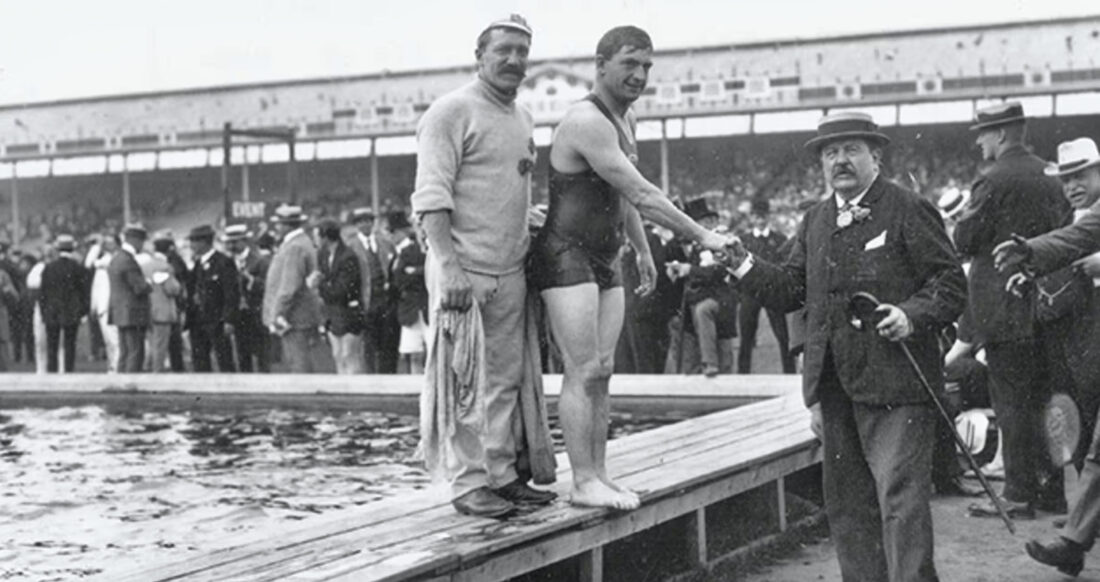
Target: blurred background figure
(337, 281)
(762, 241)
(164, 308)
(99, 259)
(253, 351)
(411, 294)
(64, 301)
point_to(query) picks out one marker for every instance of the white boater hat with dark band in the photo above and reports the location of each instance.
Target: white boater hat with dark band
(1074, 156)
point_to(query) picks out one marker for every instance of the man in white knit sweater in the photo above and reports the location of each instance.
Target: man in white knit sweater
(475, 155)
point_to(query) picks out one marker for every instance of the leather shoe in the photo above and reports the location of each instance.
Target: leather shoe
(957, 487)
(1065, 554)
(520, 493)
(1014, 509)
(482, 502)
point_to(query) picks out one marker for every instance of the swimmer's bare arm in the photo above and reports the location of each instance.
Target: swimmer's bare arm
(588, 135)
(635, 232)
(455, 285)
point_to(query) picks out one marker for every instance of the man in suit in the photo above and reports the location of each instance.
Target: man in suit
(762, 241)
(1078, 167)
(875, 419)
(64, 302)
(129, 299)
(252, 336)
(213, 298)
(337, 281)
(165, 312)
(410, 293)
(375, 254)
(291, 309)
(1011, 197)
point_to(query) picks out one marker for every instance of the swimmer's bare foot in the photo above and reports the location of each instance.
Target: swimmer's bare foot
(596, 493)
(607, 481)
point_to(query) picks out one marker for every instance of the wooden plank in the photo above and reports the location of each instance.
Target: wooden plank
(335, 533)
(534, 556)
(590, 568)
(781, 502)
(697, 538)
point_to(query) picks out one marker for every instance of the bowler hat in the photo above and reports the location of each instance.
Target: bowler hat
(761, 206)
(697, 209)
(1000, 114)
(163, 234)
(846, 125)
(65, 242)
(361, 214)
(135, 229)
(289, 214)
(201, 231)
(1074, 156)
(235, 232)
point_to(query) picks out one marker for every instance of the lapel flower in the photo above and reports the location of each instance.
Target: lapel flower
(853, 214)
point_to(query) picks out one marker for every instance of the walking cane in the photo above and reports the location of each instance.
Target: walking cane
(683, 328)
(861, 307)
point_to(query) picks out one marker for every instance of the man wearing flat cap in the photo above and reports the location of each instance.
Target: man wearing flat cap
(1078, 167)
(1012, 196)
(868, 406)
(475, 155)
(213, 301)
(130, 308)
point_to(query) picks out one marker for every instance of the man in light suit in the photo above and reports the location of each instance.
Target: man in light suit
(165, 313)
(129, 305)
(868, 406)
(64, 301)
(1078, 167)
(291, 309)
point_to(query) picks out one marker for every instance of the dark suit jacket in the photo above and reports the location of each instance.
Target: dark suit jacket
(914, 267)
(130, 305)
(64, 295)
(408, 281)
(253, 277)
(1012, 197)
(213, 292)
(1059, 248)
(765, 246)
(339, 289)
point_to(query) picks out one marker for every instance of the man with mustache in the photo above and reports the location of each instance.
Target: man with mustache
(575, 260)
(1078, 167)
(1012, 196)
(475, 154)
(869, 408)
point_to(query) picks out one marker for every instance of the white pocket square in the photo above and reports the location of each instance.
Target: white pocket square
(876, 242)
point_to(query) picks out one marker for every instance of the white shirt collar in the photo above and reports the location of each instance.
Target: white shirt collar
(762, 232)
(243, 256)
(128, 248)
(205, 258)
(293, 234)
(857, 199)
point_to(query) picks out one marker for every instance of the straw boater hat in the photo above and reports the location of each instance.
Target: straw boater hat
(952, 201)
(846, 125)
(1001, 114)
(361, 214)
(236, 232)
(65, 243)
(289, 214)
(1074, 156)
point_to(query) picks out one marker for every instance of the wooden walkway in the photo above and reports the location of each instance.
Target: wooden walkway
(679, 469)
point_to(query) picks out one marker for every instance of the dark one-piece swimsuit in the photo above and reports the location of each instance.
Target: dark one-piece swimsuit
(582, 239)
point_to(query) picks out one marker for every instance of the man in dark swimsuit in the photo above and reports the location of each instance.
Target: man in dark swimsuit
(576, 258)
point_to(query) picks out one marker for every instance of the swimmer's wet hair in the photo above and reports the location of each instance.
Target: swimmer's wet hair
(622, 36)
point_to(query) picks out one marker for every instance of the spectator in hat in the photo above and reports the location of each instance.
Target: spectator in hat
(375, 254)
(411, 295)
(291, 309)
(761, 240)
(23, 319)
(875, 418)
(129, 299)
(213, 300)
(64, 301)
(17, 314)
(163, 305)
(166, 244)
(1078, 167)
(9, 296)
(253, 351)
(1012, 196)
(337, 281)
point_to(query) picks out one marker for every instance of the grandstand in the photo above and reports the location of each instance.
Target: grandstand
(723, 120)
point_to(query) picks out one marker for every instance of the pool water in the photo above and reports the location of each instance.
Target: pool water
(84, 488)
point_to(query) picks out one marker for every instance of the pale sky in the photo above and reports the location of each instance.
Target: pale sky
(79, 48)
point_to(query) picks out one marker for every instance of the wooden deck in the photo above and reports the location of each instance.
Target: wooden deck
(679, 469)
